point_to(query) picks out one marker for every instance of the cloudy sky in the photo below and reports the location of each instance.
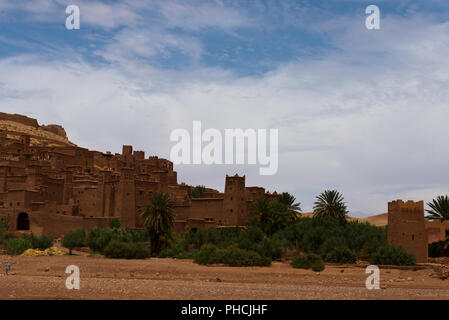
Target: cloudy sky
(362, 111)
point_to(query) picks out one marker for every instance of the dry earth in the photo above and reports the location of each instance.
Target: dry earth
(44, 278)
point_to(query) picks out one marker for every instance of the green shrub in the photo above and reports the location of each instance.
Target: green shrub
(301, 261)
(306, 261)
(98, 239)
(318, 266)
(312, 257)
(322, 235)
(311, 236)
(341, 255)
(39, 242)
(92, 237)
(236, 257)
(206, 255)
(175, 248)
(185, 255)
(114, 223)
(231, 256)
(392, 255)
(4, 231)
(330, 244)
(436, 249)
(73, 239)
(127, 250)
(16, 246)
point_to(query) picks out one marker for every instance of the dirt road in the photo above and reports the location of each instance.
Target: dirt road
(100, 278)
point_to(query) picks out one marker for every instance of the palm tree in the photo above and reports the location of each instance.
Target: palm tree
(262, 209)
(158, 217)
(275, 215)
(288, 201)
(439, 208)
(330, 204)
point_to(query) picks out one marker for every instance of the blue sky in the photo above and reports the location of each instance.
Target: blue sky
(359, 110)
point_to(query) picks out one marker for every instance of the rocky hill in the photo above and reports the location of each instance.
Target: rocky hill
(16, 125)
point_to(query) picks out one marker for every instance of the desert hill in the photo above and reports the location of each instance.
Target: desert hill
(379, 220)
(15, 125)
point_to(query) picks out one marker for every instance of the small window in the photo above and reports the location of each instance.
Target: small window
(413, 237)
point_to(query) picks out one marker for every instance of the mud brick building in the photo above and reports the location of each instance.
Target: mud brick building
(407, 227)
(48, 185)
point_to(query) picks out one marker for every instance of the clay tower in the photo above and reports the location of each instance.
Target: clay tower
(234, 203)
(406, 227)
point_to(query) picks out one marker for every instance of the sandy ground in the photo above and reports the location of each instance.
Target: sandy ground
(44, 278)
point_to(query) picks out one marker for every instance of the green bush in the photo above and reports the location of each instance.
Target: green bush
(301, 262)
(175, 248)
(16, 246)
(250, 239)
(436, 249)
(318, 266)
(309, 235)
(306, 261)
(206, 255)
(330, 244)
(114, 223)
(126, 250)
(231, 256)
(341, 255)
(185, 255)
(73, 239)
(4, 228)
(98, 239)
(312, 257)
(392, 255)
(236, 257)
(39, 242)
(322, 235)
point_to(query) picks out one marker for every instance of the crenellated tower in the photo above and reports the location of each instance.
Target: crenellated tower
(406, 227)
(234, 202)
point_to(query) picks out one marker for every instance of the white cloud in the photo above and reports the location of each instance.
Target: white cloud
(198, 15)
(372, 125)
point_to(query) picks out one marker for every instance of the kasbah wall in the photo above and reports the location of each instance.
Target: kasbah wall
(51, 189)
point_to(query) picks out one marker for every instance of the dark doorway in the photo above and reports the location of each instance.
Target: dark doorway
(23, 221)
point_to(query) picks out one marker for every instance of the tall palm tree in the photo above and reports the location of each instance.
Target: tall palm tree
(275, 215)
(439, 208)
(292, 208)
(158, 217)
(262, 210)
(330, 204)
